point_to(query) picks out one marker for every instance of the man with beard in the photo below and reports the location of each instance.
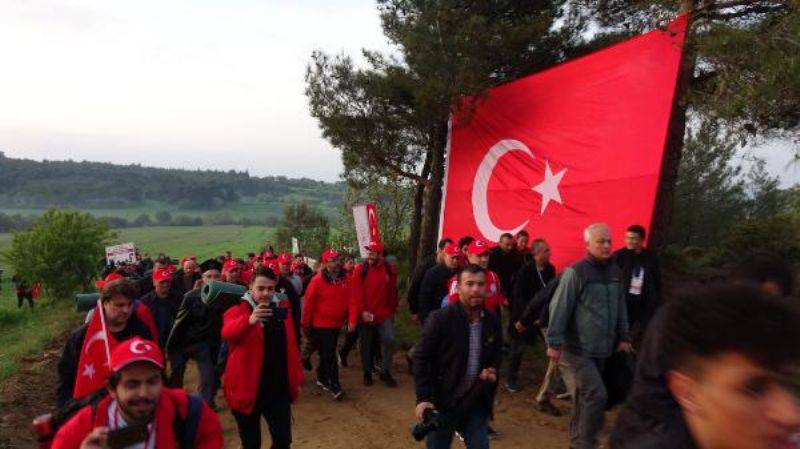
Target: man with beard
(326, 309)
(83, 362)
(505, 260)
(460, 346)
(196, 335)
(374, 289)
(137, 397)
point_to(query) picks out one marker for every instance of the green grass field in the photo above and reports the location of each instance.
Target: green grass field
(24, 332)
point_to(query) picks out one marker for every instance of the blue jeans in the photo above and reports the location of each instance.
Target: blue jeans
(474, 429)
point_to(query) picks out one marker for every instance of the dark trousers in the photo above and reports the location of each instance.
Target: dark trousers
(350, 340)
(326, 341)
(200, 353)
(277, 412)
(22, 297)
(517, 346)
(376, 342)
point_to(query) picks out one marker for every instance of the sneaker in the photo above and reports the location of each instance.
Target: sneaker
(322, 385)
(307, 364)
(549, 408)
(513, 387)
(388, 380)
(367, 379)
(336, 391)
(342, 359)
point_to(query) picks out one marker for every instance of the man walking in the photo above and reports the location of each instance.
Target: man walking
(375, 295)
(588, 320)
(457, 358)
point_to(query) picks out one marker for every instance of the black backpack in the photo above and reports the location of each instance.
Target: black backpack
(185, 430)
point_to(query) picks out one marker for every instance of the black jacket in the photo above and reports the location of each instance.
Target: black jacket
(440, 357)
(195, 323)
(640, 309)
(539, 308)
(651, 418)
(284, 286)
(433, 289)
(164, 312)
(505, 265)
(412, 296)
(68, 363)
(528, 281)
(181, 284)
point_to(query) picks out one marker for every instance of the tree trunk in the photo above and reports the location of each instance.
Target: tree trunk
(673, 149)
(429, 227)
(416, 216)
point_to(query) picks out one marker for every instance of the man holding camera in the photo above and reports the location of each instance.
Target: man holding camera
(455, 366)
(263, 373)
(139, 411)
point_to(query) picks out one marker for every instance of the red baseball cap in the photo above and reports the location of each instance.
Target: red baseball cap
(478, 247)
(329, 254)
(275, 268)
(111, 277)
(268, 255)
(231, 264)
(375, 246)
(452, 250)
(136, 350)
(162, 275)
(285, 258)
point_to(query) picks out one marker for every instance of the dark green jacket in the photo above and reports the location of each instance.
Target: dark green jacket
(588, 314)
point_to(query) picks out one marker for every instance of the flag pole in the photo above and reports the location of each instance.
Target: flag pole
(105, 331)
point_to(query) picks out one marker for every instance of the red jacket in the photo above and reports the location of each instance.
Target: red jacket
(246, 357)
(327, 304)
(494, 296)
(209, 432)
(374, 291)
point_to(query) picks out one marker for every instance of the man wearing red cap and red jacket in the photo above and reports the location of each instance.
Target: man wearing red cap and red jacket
(137, 397)
(263, 373)
(326, 308)
(478, 254)
(164, 303)
(83, 365)
(374, 293)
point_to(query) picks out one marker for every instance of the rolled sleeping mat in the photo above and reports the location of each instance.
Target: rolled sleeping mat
(222, 294)
(86, 301)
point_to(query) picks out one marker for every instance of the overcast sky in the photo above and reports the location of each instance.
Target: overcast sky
(181, 83)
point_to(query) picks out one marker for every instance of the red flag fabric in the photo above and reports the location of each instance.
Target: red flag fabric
(372, 219)
(93, 368)
(579, 143)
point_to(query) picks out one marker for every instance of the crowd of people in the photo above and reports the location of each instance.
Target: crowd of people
(718, 358)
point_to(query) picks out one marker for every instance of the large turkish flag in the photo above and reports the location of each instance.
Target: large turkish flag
(579, 143)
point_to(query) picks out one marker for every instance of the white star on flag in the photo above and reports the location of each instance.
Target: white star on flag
(549, 187)
(88, 370)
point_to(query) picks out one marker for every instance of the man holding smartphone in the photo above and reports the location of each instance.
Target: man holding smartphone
(263, 374)
(139, 412)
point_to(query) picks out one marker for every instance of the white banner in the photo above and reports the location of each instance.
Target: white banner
(362, 228)
(123, 253)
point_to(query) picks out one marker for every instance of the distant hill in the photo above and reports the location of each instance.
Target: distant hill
(127, 190)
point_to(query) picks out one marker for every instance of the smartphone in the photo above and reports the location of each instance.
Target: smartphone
(127, 436)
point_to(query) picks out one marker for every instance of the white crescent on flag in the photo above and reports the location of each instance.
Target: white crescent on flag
(97, 336)
(480, 187)
(140, 347)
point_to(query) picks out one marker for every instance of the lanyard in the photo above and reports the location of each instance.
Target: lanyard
(541, 279)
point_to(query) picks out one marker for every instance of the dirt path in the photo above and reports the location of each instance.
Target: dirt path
(374, 417)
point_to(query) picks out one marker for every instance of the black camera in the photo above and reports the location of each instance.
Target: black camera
(431, 422)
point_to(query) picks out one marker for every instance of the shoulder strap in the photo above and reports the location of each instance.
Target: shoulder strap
(186, 429)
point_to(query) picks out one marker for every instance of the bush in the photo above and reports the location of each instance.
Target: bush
(61, 249)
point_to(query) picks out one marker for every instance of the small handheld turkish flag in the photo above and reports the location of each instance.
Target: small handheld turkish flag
(579, 143)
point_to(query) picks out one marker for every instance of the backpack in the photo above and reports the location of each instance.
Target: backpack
(46, 426)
